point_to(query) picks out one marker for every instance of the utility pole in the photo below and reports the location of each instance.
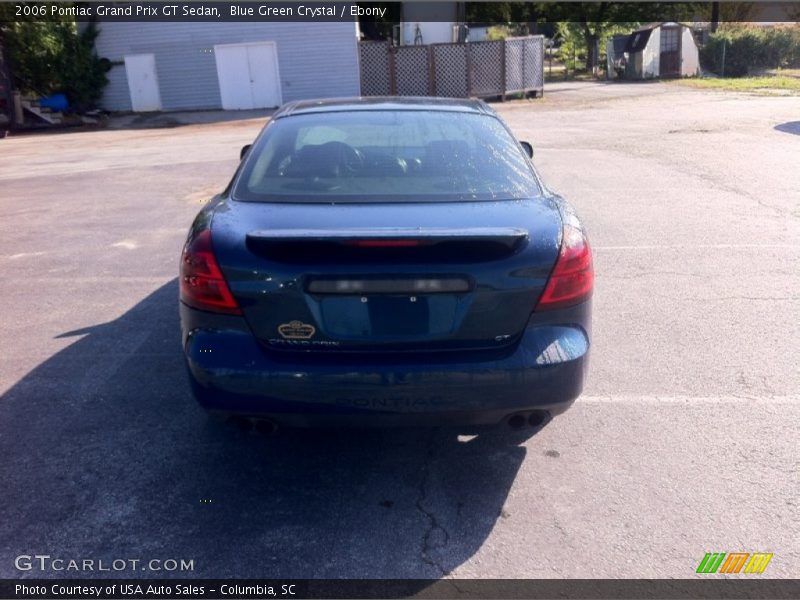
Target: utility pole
(714, 16)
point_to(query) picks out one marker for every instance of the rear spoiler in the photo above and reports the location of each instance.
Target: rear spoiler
(392, 236)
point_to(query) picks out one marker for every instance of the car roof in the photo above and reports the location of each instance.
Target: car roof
(383, 103)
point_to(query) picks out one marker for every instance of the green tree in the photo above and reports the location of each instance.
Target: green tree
(574, 45)
(504, 13)
(49, 56)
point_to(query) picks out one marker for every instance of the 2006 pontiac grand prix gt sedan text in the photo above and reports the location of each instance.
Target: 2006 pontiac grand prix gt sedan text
(386, 260)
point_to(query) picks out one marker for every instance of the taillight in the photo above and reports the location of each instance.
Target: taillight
(202, 283)
(572, 278)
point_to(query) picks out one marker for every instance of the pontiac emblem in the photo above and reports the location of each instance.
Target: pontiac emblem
(296, 330)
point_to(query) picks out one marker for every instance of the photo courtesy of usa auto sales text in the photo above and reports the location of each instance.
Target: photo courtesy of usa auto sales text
(97, 590)
(159, 591)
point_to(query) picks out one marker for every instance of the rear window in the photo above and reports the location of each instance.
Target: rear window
(386, 156)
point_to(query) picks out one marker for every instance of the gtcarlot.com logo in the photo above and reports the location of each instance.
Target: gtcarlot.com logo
(47, 563)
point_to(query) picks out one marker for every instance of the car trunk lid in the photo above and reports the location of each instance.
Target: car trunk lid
(384, 277)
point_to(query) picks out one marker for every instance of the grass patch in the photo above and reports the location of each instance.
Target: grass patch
(778, 84)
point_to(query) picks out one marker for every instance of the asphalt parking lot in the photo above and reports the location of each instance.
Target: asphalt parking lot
(685, 441)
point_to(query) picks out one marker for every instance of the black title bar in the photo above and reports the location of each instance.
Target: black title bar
(300, 11)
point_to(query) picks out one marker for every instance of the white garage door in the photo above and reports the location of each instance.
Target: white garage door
(142, 82)
(248, 75)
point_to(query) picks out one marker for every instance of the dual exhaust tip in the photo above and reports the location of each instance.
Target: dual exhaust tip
(265, 426)
(535, 419)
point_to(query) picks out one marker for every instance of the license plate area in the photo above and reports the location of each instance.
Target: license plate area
(411, 286)
(381, 317)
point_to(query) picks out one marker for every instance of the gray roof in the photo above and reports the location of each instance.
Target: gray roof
(637, 40)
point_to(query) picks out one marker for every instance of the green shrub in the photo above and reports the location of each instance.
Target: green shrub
(745, 48)
(498, 32)
(83, 73)
(572, 51)
(52, 56)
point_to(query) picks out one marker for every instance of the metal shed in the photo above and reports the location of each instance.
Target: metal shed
(663, 49)
(229, 65)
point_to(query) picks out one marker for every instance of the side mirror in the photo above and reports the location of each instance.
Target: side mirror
(244, 151)
(528, 148)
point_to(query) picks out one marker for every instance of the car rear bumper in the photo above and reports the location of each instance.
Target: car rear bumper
(233, 373)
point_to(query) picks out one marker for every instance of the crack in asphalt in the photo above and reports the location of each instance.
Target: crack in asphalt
(567, 542)
(709, 177)
(427, 544)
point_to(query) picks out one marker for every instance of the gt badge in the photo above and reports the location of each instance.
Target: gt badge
(296, 330)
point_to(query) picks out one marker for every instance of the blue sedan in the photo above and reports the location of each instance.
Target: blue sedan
(386, 261)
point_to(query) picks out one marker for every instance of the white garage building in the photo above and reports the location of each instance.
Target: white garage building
(235, 65)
